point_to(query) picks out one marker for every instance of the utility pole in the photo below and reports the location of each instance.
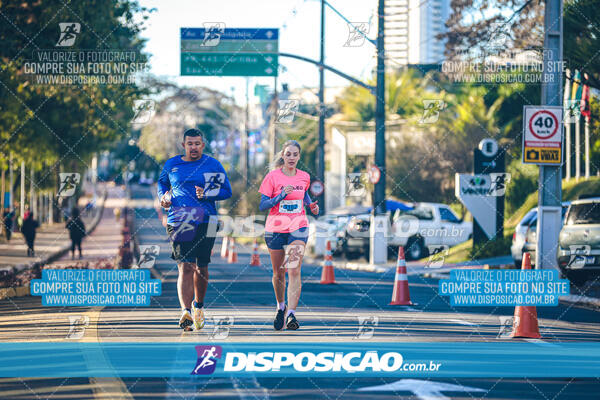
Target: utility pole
(550, 185)
(321, 145)
(378, 227)
(379, 195)
(566, 98)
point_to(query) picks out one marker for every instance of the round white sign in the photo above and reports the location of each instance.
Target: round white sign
(489, 147)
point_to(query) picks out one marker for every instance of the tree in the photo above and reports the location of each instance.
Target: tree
(484, 26)
(52, 125)
(581, 45)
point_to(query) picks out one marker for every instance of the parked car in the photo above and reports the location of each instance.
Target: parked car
(518, 239)
(579, 241)
(427, 225)
(328, 225)
(530, 242)
(354, 239)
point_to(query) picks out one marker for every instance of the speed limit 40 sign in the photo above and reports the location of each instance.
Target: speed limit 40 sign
(542, 135)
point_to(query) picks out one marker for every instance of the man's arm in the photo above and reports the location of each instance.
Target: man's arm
(225, 190)
(163, 184)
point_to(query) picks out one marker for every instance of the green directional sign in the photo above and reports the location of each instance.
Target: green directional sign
(230, 46)
(228, 64)
(218, 51)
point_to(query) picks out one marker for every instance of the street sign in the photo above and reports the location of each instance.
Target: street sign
(228, 64)
(542, 135)
(374, 174)
(316, 188)
(219, 51)
(488, 147)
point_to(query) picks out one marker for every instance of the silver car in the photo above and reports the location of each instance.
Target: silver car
(530, 244)
(518, 239)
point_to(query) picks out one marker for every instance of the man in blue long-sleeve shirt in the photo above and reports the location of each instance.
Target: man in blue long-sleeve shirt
(188, 186)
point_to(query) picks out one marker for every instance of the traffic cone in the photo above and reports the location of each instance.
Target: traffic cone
(328, 275)
(525, 323)
(225, 247)
(233, 258)
(255, 260)
(401, 295)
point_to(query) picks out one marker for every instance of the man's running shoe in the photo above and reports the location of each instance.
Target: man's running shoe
(186, 321)
(292, 323)
(279, 319)
(198, 314)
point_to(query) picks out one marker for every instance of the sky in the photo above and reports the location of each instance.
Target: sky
(299, 29)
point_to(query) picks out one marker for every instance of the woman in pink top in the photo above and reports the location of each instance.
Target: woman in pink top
(285, 193)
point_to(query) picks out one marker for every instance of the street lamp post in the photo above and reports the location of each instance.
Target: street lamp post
(550, 185)
(379, 195)
(321, 110)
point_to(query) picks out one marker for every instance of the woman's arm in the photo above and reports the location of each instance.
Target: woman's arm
(266, 202)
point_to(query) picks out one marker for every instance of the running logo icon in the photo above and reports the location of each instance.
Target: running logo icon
(293, 255)
(366, 327)
(498, 184)
(506, 326)
(358, 33)
(77, 324)
(186, 230)
(572, 111)
(431, 111)
(579, 254)
(354, 184)
(207, 359)
(221, 327)
(68, 33)
(287, 111)
(437, 255)
(143, 111)
(148, 254)
(68, 184)
(214, 181)
(212, 33)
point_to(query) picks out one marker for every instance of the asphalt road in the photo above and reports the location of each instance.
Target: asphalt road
(243, 296)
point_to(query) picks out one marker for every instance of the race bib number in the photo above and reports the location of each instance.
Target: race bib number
(289, 206)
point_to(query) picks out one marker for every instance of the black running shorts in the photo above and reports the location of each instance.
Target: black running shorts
(191, 243)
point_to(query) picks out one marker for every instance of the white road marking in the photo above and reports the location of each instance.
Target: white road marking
(424, 390)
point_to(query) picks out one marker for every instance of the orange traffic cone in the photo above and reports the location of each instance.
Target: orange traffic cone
(225, 247)
(401, 295)
(232, 252)
(255, 260)
(328, 275)
(525, 324)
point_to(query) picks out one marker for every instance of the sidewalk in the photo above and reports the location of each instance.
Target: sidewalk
(102, 245)
(53, 246)
(49, 241)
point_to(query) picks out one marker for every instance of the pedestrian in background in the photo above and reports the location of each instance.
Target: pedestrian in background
(8, 217)
(76, 229)
(28, 229)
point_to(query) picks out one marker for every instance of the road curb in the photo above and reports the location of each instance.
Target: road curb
(19, 291)
(578, 299)
(353, 266)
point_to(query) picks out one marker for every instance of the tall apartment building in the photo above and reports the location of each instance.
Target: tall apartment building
(411, 27)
